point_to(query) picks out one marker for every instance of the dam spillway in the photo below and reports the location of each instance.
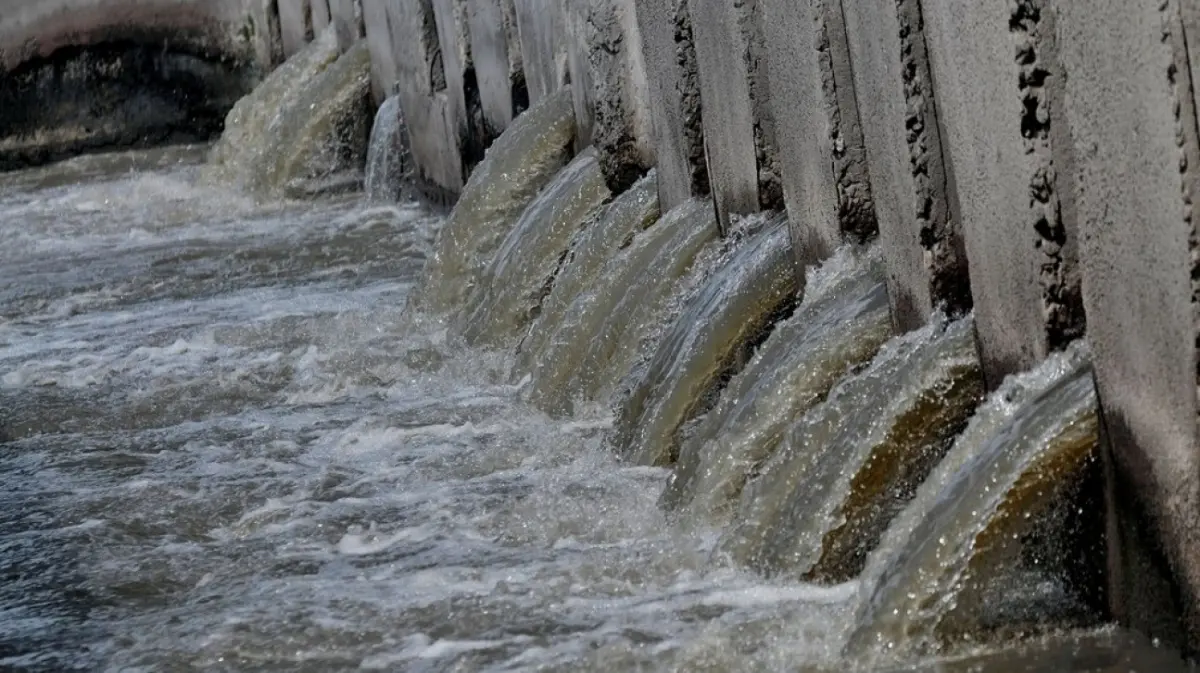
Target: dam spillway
(720, 337)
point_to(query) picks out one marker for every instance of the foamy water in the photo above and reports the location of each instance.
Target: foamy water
(227, 447)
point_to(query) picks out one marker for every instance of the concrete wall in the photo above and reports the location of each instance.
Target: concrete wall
(496, 51)
(296, 26)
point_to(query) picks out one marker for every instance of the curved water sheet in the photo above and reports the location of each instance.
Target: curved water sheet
(740, 302)
(630, 294)
(523, 160)
(841, 323)
(990, 543)
(510, 291)
(611, 230)
(389, 161)
(849, 466)
(305, 133)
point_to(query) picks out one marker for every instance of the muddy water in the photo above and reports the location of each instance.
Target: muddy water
(226, 447)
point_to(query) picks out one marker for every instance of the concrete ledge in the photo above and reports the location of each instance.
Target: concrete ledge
(1132, 115)
(79, 75)
(621, 128)
(821, 155)
(911, 183)
(999, 93)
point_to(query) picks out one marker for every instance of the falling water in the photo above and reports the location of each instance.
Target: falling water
(841, 323)
(743, 299)
(241, 433)
(389, 163)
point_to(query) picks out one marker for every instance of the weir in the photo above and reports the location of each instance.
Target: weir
(928, 378)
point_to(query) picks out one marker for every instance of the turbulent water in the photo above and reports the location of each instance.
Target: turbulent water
(230, 441)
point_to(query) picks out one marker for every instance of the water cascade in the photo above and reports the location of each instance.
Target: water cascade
(1000, 535)
(744, 298)
(590, 343)
(591, 435)
(613, 229)
(389, 164)
(842, 321)
(305, 130)
(522, 161)
(509, 292)
(847, 466)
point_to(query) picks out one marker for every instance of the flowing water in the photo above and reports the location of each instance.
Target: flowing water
(243, 433)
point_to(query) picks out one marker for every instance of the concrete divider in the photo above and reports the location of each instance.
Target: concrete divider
(822, 160)
(347, 19)
(295, 23)
(320, 15)
(911, 183)
(541, 27)
(729, 119)
(496, 52)
(621, 127)
(407, 58)
(999, 100)
(1131, 109)
(673, 87)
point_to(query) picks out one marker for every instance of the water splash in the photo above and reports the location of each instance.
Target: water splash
(740, 302)
(509, 292)
(989, 532)
(630, 295)
(842, 321)
(522, 161)
(389, 160)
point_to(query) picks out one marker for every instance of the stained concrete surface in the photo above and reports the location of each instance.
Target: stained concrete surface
(1132, 119)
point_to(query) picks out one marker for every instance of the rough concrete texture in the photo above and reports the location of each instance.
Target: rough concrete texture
(542, 26)
(81, 74)
(766, 152)
(620, 130)
(673, 87)
(729, 123)
(911, 183)
(296, 26)
(821, 155)
(496, 54)
(321, 17)
(1132, 115)
(998, 78)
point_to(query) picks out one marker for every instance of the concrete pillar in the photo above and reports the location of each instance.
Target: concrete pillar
(496, 53)
(407, 58)
(621, 127)
(295, 23)
(541, 26)
(1132, 113)
(729, 120)
(911, 183)
(268, 38)
(673, 88)
(999, 99)
(320, 15)
(822, 160)
(347, 18)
